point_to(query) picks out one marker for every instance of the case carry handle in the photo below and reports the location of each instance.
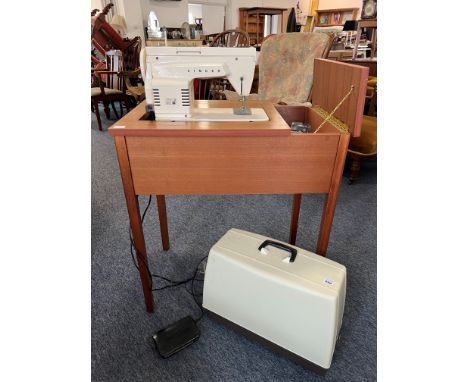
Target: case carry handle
(291, 250)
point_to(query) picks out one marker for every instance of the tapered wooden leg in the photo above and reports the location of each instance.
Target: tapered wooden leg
(161, 201)
(354, 169)
(115, 110)
(106, 109)
(332, 196)
(127, 106)
(135, 222)
(98, 116)
(296, 207)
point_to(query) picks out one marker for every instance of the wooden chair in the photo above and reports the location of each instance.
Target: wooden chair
(286, 66)
(107, 87)
(112, 77)
(214, 88)
(232, 38)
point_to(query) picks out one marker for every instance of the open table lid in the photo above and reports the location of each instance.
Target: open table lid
(332, 81)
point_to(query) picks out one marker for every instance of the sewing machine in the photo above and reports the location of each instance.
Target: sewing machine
(168, 73)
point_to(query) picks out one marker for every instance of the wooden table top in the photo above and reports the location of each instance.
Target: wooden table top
(131, 125)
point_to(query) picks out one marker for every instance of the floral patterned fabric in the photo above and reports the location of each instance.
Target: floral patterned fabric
(286, 66)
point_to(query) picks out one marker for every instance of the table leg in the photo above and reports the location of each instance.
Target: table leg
(161, 202)
(356, 43)
(135, 222)
(332, 196)
(296, 207)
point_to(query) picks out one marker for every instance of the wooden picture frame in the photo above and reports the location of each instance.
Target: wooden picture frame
(369, 9)
(324, 19)
(335, 18)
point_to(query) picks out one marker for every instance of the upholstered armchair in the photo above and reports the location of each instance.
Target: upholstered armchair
(286, 67)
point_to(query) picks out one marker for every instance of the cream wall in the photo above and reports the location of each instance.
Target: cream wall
(96, 4)
(169, 13)
(131, 11)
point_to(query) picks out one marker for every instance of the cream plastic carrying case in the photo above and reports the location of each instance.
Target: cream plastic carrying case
(282, 295)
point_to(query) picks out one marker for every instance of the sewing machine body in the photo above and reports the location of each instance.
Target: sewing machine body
(169, 72)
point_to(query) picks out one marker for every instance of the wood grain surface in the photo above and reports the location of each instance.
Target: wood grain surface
(332, 81)
(131, 125)
(298, 163)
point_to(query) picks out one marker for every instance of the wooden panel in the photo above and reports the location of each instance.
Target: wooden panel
(300, 163)
(332, 81)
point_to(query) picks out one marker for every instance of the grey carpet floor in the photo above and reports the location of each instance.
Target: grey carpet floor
(121, 329)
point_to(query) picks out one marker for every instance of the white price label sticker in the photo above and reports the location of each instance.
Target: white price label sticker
(329, 282)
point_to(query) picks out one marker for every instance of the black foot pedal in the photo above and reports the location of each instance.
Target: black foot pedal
(176, 336)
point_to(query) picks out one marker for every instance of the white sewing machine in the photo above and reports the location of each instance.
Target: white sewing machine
(168, 73)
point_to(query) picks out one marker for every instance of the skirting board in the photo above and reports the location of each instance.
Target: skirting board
(276, 348)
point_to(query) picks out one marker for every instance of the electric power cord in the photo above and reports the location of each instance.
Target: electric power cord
(172, 283)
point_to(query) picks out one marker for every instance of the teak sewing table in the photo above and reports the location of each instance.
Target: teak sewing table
(186, 158)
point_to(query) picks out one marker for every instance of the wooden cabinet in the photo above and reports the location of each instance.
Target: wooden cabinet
(252, 20)
(335, 17)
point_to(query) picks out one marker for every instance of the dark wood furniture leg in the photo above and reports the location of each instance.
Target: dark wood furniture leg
(98, 117)
(115, 111)
(135, 221)
(127, 105)
(354, 168)
(161, 202)
(332, 196)
(296, 207)
(106, 109)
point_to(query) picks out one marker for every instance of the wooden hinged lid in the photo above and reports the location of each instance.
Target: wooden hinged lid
(332, 81)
